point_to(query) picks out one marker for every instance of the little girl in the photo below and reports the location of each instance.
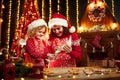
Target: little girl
(36, 44)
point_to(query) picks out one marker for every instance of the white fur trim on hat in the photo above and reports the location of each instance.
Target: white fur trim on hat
(57, 21)
(72, 29)
(36, 23)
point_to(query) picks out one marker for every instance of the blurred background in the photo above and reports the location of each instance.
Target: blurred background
(11, 11)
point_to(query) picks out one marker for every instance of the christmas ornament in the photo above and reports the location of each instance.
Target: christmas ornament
(96, 14)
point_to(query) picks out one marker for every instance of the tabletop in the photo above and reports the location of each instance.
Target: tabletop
(81, 73)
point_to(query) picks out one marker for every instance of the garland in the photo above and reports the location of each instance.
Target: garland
(96, 14)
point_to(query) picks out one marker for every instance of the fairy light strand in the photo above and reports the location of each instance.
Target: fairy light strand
(18, 11)
(113, 7)
(43, 5)
(36, 6)
(1, 20)
(50, 9)
(9, 23)
(77, 14)
(2, 7)
(67, 10)
(88, 1)
(58, 6)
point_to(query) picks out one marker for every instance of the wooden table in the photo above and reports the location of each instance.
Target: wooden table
(82, 73)
(79, 73)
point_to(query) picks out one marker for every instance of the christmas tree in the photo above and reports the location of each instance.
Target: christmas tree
(29, 14)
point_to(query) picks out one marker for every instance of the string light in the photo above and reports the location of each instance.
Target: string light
(18, 11)
(50, 9)
(1, 20)
(43, 5)
(35, 3)
(36, 6)
(113, 7)
(67, 10)
(2, 7)
(9, 23)
(88, 1)
(25, 1)
(58, 6)
(77, 14)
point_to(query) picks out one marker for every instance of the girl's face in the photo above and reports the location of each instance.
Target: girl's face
(58, 30)
(40, 33)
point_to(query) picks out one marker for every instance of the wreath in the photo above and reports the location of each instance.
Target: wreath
(96, 14)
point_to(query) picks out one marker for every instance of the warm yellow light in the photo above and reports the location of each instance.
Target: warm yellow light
(22, 79)
(1, 20)
(114, 26)
(29, 65)
(58, 6)
(9, 23)
(45, 76)
(67, 10)
(73, 76)
(82, 29)
(50, 9)
(43, 6)
(18, 12)
(99, 3)
(0, 53)
(77, 13)
(3, 6)
(59, 76)
(92, 5)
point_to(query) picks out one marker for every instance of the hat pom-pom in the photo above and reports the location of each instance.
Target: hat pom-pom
(72, 29)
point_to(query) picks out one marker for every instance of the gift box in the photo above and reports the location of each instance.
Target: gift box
(8, 71)
(37, 71)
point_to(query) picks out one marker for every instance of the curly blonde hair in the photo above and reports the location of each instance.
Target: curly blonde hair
(32, 33)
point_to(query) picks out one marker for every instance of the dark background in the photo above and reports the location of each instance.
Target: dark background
(72, 13)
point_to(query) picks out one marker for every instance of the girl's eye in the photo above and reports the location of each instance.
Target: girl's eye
(40, 32)
(58, 28)
(43, 32)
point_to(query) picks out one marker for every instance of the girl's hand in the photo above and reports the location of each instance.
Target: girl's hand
(67, 48)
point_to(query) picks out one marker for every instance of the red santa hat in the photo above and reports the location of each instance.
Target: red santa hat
(58, 19)
(36, 23)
